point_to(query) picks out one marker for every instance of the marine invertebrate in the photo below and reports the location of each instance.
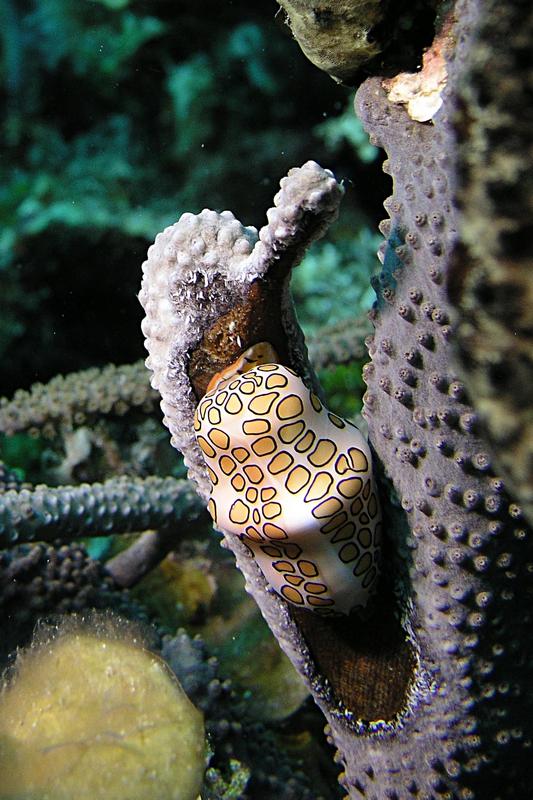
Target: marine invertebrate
(212, 289)
(458, 723)
(90, 712)
(462, 524)
(57, 410)
(119, 505)
(349, 39)
(464, 549)
(68, 401)
(334, 35)
(40, 580)
(53, 578)
(244, 296)
(294, 482)
(465, 530)
(490, 281)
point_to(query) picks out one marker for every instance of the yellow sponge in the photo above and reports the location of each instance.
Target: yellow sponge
(92, 717)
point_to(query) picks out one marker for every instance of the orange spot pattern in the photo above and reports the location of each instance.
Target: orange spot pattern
(293, 481)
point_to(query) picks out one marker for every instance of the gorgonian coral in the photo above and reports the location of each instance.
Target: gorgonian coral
(490, 279)
(453, 717)
(211, 289)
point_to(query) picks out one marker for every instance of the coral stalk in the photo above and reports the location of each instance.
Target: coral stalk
(121, 505)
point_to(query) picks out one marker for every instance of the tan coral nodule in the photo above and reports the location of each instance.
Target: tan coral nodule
(334, 35)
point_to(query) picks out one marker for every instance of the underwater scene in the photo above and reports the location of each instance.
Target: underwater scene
(265, 418)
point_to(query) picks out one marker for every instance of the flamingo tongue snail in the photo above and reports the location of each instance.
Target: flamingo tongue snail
(293, 481)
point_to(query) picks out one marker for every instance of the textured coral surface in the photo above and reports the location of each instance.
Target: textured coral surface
(461, 553)
(471, 555)
(120, 505)
(491, 280)
(207, 264)
(471, 563)
(194, 288)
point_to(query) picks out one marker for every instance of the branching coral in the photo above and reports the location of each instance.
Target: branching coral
(166, 507)
(121, 505)
(70, 401)
(491, 277)
(428, 696)
(211, 289)
(457, 722)
(41, 580)
(471, 550)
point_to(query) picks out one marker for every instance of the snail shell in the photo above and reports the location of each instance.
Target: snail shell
(294, 482)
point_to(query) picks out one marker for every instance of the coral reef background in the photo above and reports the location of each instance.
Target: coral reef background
(120, 115)
(117, 117)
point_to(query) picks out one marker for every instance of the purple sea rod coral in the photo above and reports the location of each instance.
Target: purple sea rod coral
(211, 290)
(470, 548)
(429, 697)
(470, 575)
(491, 276)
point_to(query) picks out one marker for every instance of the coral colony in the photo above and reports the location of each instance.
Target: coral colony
(460, 721)
(396, 574)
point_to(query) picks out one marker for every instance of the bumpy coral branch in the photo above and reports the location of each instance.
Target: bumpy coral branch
(40, 580)
(205, 268)
(211, 291)
(120, 505)
(492, 277)
(470, 572)
(8, 478)
(67, 401)
(340, 343)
